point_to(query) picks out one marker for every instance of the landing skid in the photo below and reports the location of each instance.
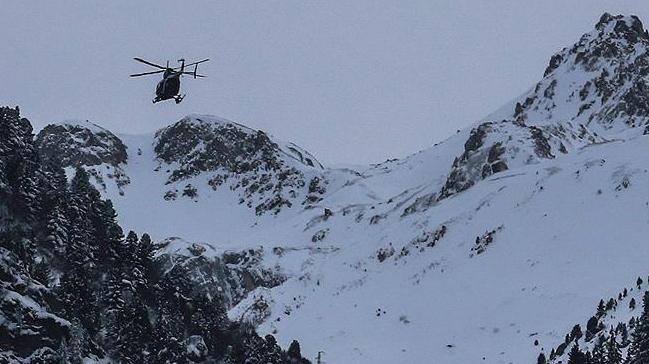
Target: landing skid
(177, 98)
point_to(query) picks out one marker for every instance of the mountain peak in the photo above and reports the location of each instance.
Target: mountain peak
(592, 91)
(80, 143)
(600, 82)
(614, 38)
(621, 25)
(267, 172)
(81, 124)
(212, 120)
(223, 138)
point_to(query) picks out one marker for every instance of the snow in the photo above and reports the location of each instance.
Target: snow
(558, 234)
(96, 361)
(569, 230)
(85, 124)
(32, 305)
(555, 226)
(530, 280)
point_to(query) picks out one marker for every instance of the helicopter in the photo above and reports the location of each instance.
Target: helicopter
(169, 86)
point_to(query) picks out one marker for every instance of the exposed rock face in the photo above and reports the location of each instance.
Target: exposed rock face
(474, 163)
(601, 80)
(267, 175)
(488, 150)
(80, 144)
(593, 90)
(84, 144)
(495, 147)
(317, 188)
(199, 153)
(231, 275)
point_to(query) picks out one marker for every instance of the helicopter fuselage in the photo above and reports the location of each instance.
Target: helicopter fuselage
(168, 88)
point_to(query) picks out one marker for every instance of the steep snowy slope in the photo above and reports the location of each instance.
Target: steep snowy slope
(511, 265)
(507, 233)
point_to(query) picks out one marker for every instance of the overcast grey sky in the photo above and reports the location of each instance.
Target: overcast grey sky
(351, 81)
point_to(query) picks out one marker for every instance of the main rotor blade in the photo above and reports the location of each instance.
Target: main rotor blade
(193, 63)
(149, 63)
(192, 74)
(146, 73)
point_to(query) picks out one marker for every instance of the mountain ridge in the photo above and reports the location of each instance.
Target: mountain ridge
(506, 214)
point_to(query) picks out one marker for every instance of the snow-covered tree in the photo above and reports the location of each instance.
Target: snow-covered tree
(639, 350)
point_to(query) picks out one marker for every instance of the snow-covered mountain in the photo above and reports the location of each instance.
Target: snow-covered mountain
(76, 143)
(487, 247)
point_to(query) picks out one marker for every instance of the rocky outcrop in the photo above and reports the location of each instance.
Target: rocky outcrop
(600, 81)
(80, 144)
(268, 174)
(84, 144)
(494, 147)
(231, 275)
(490, 148)
(592, 91)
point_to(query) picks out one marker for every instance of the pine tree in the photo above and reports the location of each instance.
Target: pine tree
(601, 310)
(254, 349)
(639, 350)
(79, 283)
(599, 352)
(591, 328)
(125, 250)
(19, 173)
(78, 297)
(168, 334)
(623, 333)
(272, 351)
(135, 332)
(25, 272)
(41, 272)
(82, 249)
(173, 302)
(294, 354)
(20, 164)
(144, 257)
(113, 299)
(107, 233)
(613, 352)
(127, 322)
(209, 320)
(611, 304)
(72, 348)
(53, 198)
(576, 333)
(576, 356)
